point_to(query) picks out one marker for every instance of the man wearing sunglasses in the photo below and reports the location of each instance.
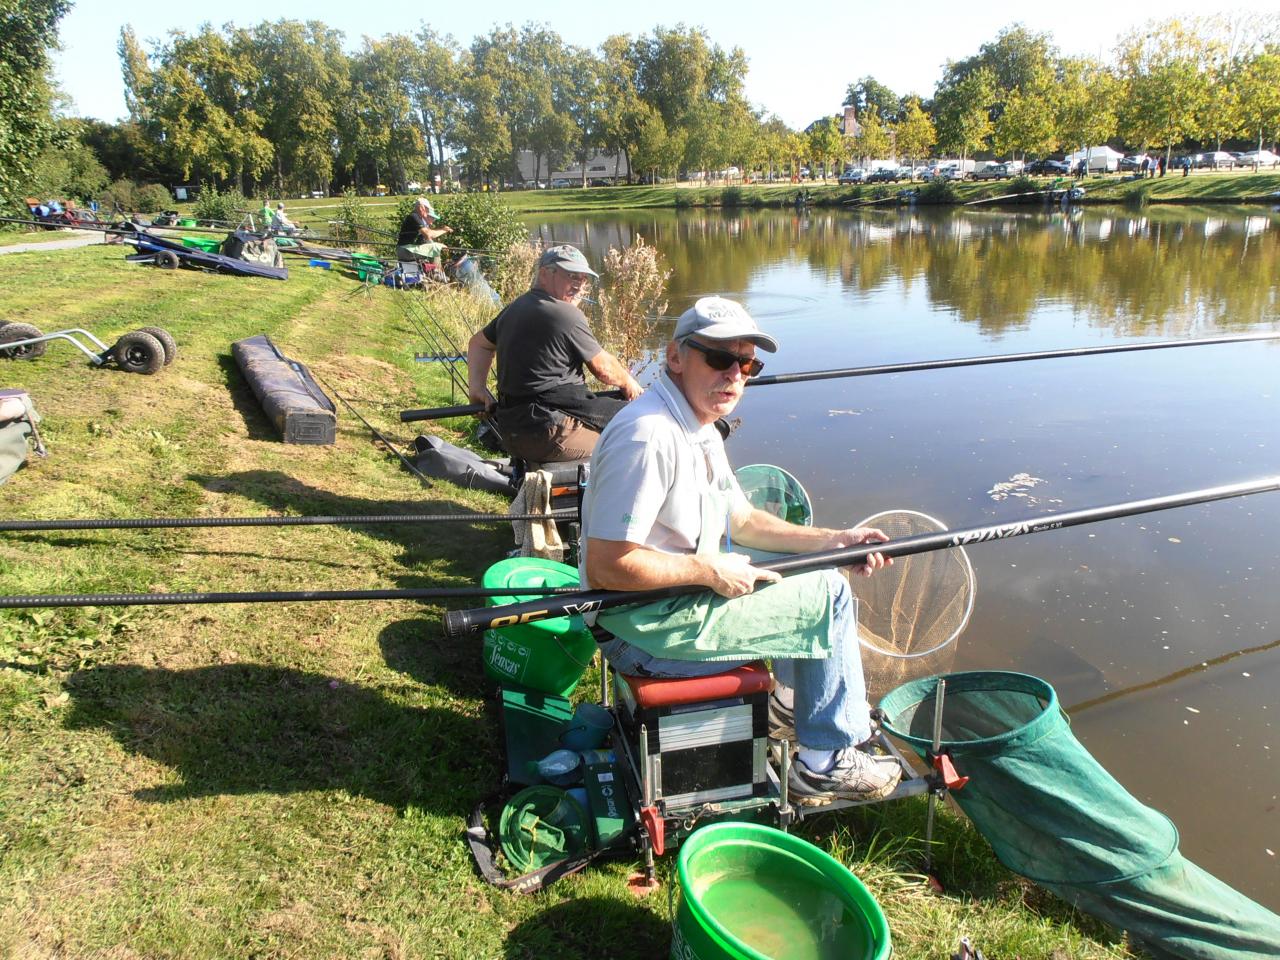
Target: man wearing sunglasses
(542, 342)
(662, 508)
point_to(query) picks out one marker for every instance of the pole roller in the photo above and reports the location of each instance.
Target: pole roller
(459, 623)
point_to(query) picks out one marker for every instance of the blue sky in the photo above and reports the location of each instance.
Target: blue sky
(802, 56)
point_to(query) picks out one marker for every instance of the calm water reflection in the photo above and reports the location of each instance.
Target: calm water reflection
(1160, 633)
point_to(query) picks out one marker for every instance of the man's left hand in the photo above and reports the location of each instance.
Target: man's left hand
(853, 536)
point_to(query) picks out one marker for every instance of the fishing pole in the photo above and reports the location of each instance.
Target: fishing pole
(155, 523)
(377, 433)
(458, 623)
(268, 596)
(436, 413)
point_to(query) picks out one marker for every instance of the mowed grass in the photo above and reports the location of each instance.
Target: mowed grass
(280, 780)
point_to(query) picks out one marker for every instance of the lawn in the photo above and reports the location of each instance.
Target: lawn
(279, 780)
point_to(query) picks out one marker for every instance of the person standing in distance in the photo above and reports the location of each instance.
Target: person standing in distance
(542, 342)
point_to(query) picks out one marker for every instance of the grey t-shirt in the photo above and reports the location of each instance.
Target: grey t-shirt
(542, 343)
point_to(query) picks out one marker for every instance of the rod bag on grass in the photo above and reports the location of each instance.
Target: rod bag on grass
(440, 458)
(1055, 816)
(290, 397)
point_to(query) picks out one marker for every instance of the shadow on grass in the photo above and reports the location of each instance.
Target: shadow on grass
(583, 928)
(247, 728)
(423, 542)
(256, 424)
(418, 649)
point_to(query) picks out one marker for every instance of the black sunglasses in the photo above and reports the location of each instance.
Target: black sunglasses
(723, 359)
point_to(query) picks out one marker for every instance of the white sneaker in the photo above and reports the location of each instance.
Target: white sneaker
(856, 775)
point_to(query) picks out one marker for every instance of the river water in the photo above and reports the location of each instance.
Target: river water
(1161, 633)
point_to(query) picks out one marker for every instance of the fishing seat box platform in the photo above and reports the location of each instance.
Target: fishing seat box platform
(291, 399)
(707, 737)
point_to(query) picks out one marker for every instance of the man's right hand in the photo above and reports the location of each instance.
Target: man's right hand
(484, 399)
(732, 574)
(632, 389)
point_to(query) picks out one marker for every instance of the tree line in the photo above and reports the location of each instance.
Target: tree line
(284, 107)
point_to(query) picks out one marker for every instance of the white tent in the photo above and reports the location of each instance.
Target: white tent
(1100, 158)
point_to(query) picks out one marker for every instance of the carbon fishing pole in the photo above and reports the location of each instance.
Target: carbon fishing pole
(158, 523)
(569, 601)
(458, 623)
(436, 413)
(377, 433)
(268, 596)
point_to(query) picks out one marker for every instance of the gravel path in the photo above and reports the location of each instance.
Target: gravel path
(74, 238)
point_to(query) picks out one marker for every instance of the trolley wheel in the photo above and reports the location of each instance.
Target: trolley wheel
(166, 340)
(11, 332)
(138, 352)
(166, 260)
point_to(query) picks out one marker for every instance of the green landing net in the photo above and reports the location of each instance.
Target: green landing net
(1054, 815)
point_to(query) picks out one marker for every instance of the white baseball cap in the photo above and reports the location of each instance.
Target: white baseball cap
(719, 319)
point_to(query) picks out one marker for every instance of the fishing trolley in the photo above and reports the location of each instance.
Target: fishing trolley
(140, 351)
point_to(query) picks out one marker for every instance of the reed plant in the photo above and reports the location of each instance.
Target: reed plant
(633, 285)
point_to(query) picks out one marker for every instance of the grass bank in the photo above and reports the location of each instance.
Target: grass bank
(283, 780)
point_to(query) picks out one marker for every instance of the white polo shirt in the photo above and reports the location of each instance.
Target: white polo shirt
(651, 469)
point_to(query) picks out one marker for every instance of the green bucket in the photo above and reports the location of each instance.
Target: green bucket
(186, 222)
(549, 656)
(750, 892)
(207, 244)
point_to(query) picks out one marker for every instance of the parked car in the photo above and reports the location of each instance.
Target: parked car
(884, 175)
(1261, 158)
(1214, 160)
(559, 184)
(908, 173)
(992, 171)
(1047, 168)
(852, 176)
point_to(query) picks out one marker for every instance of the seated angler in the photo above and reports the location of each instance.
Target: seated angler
(662, 498)
(419, 237)
(542, 342)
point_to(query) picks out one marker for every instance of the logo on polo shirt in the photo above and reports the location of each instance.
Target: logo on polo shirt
(626, 519)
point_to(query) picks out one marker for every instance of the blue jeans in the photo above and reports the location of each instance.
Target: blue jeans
(830, 693)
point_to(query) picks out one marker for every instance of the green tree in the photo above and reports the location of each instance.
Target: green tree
(1086, 112)
(873, 139)
(436, 82)
(198, 98)
(1018, 59)
(67, 167)
(1166, 85)
(963, 112)
(914, 134)
(1259, 90)
(1027, 125)
(303, 77)
(826, 142)
(483, 133)
(27, 31)
(870, 93)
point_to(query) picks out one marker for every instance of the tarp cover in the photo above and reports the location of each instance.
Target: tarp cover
(1054, 815)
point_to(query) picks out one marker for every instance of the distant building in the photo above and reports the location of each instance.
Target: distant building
(849, 124)
(610, 167)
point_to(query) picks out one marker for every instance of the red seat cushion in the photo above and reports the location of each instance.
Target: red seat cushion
(666, 692)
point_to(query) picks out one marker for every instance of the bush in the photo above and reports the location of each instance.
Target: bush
(938, 190)
(355, 220)
(122, 193)
(1023, 184)
(512, 273)
(229, 207)
(731, 197)
(151, 198)
(480, 221)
